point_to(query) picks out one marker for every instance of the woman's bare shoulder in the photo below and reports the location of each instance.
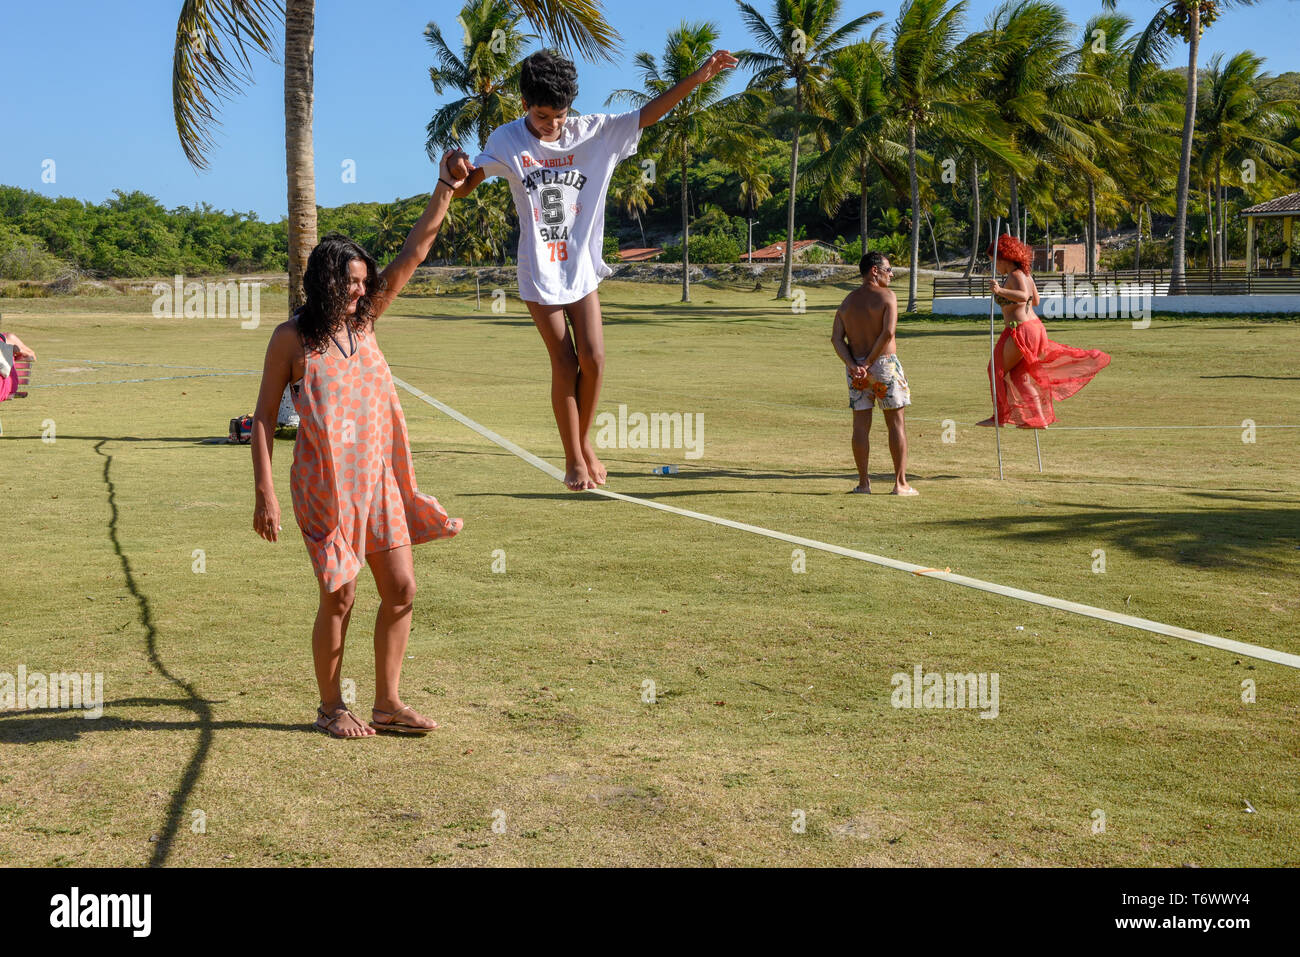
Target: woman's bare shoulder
(286, 342)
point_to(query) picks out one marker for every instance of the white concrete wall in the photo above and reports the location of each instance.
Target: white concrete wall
(1123, 307)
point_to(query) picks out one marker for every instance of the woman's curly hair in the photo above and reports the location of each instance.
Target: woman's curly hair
(1013, 250)
(325, 284)
(547, 79)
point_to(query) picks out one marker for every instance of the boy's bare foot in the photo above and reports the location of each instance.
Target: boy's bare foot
(595, 467)
(405, 720)
(339, 722)
(904, 490)
(861, 489)
(986, 422)
(577, 478)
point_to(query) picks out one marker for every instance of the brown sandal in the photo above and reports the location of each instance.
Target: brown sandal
(328, 726)
(399, 727)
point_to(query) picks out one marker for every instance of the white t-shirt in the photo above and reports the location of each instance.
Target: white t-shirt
(559, 190)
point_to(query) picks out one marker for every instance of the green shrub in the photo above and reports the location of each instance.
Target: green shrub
(1158, 254)
(718, 247)
(816, 256)
(25, 257)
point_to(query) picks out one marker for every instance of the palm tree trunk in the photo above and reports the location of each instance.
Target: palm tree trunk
(975, 215)
(863, 208)
(1047, 234)
(299, 34)
(929, 222)
(1137, 254)
(1222, 196)
(1092, 226)
(1015, 206)
(1179, 269)
(916, 213)
(1210, 221)
(640, 226)
(787, 272)
(686, 241)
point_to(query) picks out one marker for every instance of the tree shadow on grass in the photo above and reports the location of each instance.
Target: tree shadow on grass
(198, 706)
(42, 725)
(1204, 538)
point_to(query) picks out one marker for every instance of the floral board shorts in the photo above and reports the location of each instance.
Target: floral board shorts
(885, 383)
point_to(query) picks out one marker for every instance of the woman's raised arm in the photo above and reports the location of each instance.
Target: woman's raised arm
(420, 239)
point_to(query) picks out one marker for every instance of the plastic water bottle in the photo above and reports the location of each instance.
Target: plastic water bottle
(664, 470)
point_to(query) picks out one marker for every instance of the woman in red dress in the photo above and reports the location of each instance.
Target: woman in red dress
(1030, 370)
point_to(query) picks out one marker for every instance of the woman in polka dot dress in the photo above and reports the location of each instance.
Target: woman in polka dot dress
(352, 481)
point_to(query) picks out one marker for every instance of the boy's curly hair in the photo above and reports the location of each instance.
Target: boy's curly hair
(1013, 250)
(547, 79)
(325, 284)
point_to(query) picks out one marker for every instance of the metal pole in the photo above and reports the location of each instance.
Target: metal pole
(1039, 449)
(993, 366)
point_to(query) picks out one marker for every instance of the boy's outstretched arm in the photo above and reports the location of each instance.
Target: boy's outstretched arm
(658, 108)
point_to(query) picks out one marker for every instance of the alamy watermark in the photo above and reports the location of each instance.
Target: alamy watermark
(209, 300)
(658, 430)
(934, 689)
(1101, 300)
(59, 690)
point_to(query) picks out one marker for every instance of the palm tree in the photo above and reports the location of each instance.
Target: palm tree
(1031, 51)
(860, 129)
(970, 147)
(1240, 116)
(1185, 19)
(703, 116)
(1093, 104)
(210, 62)
(391, 226)
(797, 44)
(931, 80)
(486, 72)
(629, 191)
(755, 188)
(1140, 121)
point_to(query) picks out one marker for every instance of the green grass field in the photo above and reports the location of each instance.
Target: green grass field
(773, 688)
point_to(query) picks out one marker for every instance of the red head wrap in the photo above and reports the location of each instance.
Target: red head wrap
(1013, 250)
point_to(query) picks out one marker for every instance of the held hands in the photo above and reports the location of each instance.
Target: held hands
(455, 167)
(266, 518)
(719, 61)
(860, 376)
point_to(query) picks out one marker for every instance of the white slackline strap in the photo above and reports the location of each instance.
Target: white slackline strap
(1131, 621)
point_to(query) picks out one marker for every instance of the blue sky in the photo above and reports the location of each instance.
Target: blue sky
(88, 85)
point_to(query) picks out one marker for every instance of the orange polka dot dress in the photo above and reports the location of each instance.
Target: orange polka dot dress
(352, 480)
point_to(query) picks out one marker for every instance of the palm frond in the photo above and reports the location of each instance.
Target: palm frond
(205, 72)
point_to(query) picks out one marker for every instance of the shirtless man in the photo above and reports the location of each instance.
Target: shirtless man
(863, 337)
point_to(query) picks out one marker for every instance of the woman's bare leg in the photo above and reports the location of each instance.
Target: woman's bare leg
(589, 336)
(1011, 355)
(554, 330)
(394, 574)
(327, 639)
